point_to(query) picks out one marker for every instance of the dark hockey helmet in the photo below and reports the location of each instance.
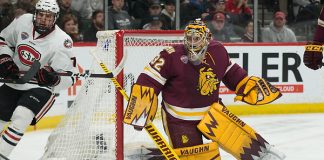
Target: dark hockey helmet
(196, 40)
(46, 14)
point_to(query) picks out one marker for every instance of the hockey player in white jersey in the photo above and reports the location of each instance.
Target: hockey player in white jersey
(32, 37)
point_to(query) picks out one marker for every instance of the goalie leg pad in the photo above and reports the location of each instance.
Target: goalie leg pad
(142, 106)
(256, 91)
(207, 151)
(231, 133)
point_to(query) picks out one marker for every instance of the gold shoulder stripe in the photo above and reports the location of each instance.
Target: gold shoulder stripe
(169, 49)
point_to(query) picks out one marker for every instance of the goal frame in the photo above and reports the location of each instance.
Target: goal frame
(120, 100)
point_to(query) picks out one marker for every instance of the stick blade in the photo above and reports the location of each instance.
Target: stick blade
(30, 73)
(26, 77)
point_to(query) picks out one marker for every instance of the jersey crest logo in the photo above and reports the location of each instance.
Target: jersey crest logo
(184, 59)
(207, 81)
(27, 54)
(68, 43)
(24, 35)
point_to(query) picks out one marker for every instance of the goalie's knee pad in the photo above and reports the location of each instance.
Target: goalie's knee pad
(231, 133)
(207, 151)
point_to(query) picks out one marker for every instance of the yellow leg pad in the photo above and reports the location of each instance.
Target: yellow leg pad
(207, 151)
(231, 133)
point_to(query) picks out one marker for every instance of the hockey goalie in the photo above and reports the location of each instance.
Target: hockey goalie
(189, 75)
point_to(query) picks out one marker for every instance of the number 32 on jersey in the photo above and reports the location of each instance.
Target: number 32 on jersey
(158, 61)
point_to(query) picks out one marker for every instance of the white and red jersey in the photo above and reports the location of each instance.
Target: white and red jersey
(25, 45)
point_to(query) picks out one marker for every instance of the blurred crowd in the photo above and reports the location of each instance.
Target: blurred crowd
(228, 20)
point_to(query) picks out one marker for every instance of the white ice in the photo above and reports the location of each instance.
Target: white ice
(299, 136)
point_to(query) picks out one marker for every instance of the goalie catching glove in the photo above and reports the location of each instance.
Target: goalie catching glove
(141, 107)
(256, 91)
(313, 55)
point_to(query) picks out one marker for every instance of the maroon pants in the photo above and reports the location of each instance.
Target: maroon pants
(181, 133)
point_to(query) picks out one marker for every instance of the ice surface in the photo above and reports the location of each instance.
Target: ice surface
(299, 136)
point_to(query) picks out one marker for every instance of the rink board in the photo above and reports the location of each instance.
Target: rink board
(281, 64)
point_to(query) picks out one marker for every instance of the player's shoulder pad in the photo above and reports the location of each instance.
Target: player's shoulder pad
(216, 47)
(214, 43)
(64, 40)
(169, 49)
(25, 19)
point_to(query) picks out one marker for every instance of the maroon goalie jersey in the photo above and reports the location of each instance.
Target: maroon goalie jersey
(188, 90)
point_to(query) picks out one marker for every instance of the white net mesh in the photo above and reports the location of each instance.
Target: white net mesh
(88, 130)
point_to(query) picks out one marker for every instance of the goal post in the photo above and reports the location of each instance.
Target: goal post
(92, 128)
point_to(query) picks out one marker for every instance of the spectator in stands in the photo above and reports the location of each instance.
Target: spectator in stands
(117, 17)
(278, 31)
(155, 24)
(140, 9)
(6, 14)
(190, 10)
(239, 11)
(83, 7)
(219, 32)
(216, 6)
(22, 7)
(248, 35)
(65, 8)
(96, 25)
(168, 15)
(155, 9)
(70, 26)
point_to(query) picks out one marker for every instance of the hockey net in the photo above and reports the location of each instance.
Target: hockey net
(92, 128)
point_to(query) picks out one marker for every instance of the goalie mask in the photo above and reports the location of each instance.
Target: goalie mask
(46, 14)
(196, 40)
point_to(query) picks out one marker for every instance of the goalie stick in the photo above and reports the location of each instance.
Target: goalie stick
(156, 136)
(26, 77)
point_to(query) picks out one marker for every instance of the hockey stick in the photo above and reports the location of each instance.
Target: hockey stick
(86, 74)
(156, 136)
(3, 157)
(26, 77)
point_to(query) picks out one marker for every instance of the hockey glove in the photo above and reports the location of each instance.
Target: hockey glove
(8, 68)
(256, 91)
(313, 55)
(47, 77)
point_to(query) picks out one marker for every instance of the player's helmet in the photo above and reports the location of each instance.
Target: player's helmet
(46, 6)
(196, 40)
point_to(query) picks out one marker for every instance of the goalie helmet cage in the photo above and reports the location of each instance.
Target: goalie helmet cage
(92, 128)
